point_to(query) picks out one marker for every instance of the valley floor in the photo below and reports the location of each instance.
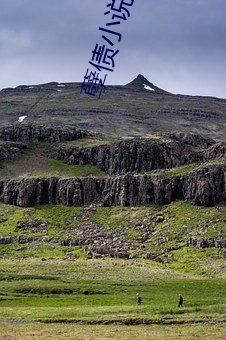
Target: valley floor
(96, 299)
(36, 331)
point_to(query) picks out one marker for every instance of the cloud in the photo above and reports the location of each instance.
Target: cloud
(178, 44)
(13, 42)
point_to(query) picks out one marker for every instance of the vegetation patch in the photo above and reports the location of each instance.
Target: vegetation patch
(180, 170)
(72, 294)
(61, 169)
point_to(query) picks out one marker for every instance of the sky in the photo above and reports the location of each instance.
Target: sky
(179, 45)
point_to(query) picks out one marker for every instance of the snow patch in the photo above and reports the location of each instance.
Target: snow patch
(21, 118)
(59, 90)
(148, 87)
(61, 85)
(31, 87)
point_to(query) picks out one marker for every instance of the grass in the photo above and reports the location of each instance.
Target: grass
(36, 162)
(56, 298)
(79, 143)
(55, 216)
(121, 112)
(182, 221)
(119, 217)
(203, 261)
(180, 170)
(60, 169)
(52, 297)
(39, 165)
(37, 331)
(47, 290)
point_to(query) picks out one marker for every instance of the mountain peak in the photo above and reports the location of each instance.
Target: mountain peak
(140, 83)
(141, 77)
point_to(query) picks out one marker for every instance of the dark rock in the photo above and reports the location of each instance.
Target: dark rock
(204, 186)
(135, 155)
(159, 218)
(6, 240)
(10, 151)
(32, 225)
(37, 132)
(207, 243)
(215, 151)
(192, 139)
(151, 256)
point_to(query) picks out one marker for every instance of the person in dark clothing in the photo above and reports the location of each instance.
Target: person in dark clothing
(139, 299)
(180, 301)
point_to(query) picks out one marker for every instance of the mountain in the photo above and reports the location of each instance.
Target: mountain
(140, 83)
(138, 108)
(100, 199)
(131, 171)
(64, 188)
(109, 176)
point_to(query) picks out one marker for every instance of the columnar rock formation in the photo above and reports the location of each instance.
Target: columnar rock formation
(205, 186)
(131, 155)
(37, 132)
(133, 170)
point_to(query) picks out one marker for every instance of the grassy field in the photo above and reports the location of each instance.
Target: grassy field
(96, 299)
(52, 291)
(38, 331)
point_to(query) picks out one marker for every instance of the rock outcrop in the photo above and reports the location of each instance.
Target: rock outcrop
(191, 139)
(133, 168)
(11, 151)
(205, 186)
(215, 151)
(37, 132)
(139, 155)
(201, 243)
(138, 85)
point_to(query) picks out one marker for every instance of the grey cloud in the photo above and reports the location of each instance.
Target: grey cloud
(178, 44)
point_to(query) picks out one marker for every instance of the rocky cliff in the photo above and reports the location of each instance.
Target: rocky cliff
(11, 151)
(205, 186)
(215, 151)
(191, 139)
(132, 155)
(133, 167)
(37, 132)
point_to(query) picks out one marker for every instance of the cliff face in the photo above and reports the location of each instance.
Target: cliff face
(202, 187)
(35, 133)
(215, 151)
(131, 155)
(191, 139)
(10, 151)
(125, 163)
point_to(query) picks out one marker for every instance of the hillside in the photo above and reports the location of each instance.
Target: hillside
(101, 200)
(128, 172)
(136, 109)
(101, 196)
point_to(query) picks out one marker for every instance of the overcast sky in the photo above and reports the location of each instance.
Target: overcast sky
(179, 45)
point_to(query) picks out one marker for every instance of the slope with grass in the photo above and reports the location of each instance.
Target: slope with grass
(39, 176)
(72, 267)
(179, 235)
(129, 110)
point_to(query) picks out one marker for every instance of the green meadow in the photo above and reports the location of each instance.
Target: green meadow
(46, 297)
(50, 291)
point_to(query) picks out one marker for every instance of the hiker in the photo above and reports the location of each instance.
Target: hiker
(180, 301)
(139, 299)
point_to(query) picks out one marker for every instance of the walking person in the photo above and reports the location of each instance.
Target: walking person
(139, 299)
(180, 301)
